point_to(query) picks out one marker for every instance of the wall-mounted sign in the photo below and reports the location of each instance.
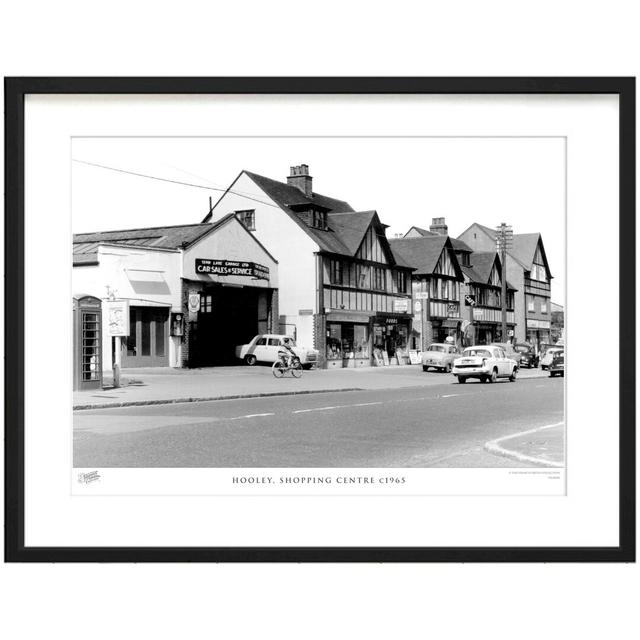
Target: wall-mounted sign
(401, 304)
(231, 268)
(470, 300)
(177, 324)
(194, 302)
(452, 310)
(421, 295)
(538, 324)
(117, 312)
(417, 306)
(478, 314)
(305, 312)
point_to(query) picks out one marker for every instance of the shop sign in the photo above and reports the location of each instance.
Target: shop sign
(452, 310)
(478, 314)
(415, 356)
(401, 304)
(194, 302)
(392, 321)
(421, 295)
(231, 268)
(470, 300)
(538, 324)
(117, 317)
(305, 312)
(417, 305)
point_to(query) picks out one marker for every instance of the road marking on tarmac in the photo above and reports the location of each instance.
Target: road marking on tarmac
(495, 447)
(317, 409)
(451, 395)
(253, 415)
(364, 404)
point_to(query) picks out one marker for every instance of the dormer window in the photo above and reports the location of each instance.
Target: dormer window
(248, 218)
(319, 219)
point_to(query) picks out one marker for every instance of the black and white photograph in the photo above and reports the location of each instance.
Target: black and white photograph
(319, 302)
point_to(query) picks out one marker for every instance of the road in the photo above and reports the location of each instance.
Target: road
(445, 425)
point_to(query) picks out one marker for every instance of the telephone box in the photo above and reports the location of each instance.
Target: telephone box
(87, 343)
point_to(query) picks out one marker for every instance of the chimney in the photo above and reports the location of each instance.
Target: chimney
(301, 179)
(438, 226)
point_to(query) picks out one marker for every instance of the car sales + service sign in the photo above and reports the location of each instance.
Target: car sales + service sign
(231, 268)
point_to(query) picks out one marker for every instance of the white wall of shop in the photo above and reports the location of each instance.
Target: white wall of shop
(111, 273)
(290, 246)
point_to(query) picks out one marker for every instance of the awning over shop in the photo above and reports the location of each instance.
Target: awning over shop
(451, 323)
(148, 282)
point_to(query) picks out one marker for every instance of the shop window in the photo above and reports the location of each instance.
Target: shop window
(334, 341)
(248, 218)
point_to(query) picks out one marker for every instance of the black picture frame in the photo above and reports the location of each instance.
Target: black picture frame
(15, 91)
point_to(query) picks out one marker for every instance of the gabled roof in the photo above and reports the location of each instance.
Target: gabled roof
(481, 266)
(285, 194)
(524, 246)
(351, 227)
(422, 253)
(422, 232)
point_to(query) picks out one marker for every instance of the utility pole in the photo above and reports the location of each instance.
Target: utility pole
(504, 240)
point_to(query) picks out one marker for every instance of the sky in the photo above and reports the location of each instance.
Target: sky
(408, 181)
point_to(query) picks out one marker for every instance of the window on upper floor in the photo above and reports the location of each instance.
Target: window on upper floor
(248, 218)
(318, 219)
(531, 306)
(335, 272)
(364, 276)
(378, 279)
(400, 278)
(543, 307)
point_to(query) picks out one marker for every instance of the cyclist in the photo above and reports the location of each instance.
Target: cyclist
(286, 352)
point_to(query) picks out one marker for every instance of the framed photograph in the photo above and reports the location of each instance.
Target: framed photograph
(320, 319)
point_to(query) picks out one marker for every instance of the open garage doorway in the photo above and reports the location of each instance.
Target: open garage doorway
(228, 316)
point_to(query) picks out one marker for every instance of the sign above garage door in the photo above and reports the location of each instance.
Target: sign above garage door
(232, 268)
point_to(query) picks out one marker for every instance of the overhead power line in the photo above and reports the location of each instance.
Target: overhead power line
(185, 184)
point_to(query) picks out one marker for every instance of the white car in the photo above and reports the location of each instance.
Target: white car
(264, 348)
(439, 356)
(487, 363)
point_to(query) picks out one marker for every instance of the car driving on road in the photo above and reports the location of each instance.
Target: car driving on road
(487, 363)
(556, 368)
(439, 356)
(265, 347)
(528, 356)
(547, 358)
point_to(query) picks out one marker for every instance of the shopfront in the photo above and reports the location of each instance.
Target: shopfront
(538, 332)
(360, 340)
(391, 340)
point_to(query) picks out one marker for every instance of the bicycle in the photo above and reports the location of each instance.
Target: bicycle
(283, 364)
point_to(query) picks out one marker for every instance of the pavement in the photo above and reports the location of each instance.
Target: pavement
(425, 420)
(164, 385)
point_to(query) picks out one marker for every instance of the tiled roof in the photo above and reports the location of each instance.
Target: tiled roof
(174, 237)
(482, 263)
(85, 245)
(286, 195)
(458, 245)
(523, 248)
(420, 253)
(422, 232)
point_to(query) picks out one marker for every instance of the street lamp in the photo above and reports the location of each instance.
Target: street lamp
(504, 241)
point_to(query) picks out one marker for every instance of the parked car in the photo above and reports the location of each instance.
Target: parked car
(509, 350)
(485, 362)
(439, 356)
(528, 357)
(556, 368)
(264, 348)
(547, 358)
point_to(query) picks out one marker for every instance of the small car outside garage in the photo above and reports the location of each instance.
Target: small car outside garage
(486, 363)
(265, 347)
(439, 356)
